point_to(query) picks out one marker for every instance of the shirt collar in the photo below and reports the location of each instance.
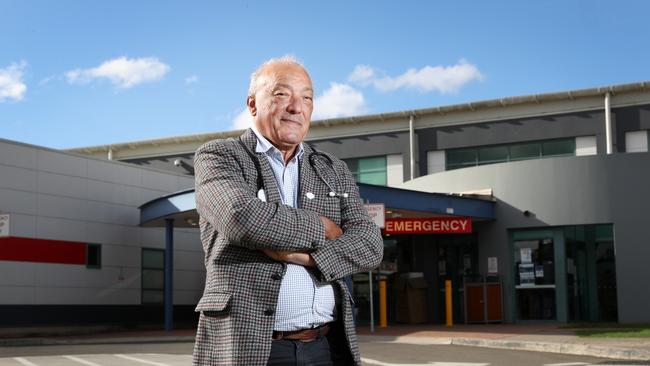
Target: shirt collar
(264, 145)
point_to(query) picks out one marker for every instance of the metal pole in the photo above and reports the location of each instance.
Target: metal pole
(372, 305)
(169, 274)
(412, 147)
(608, 125)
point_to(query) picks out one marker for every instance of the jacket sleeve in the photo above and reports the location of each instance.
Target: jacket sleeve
(227, 202)
(361, 246)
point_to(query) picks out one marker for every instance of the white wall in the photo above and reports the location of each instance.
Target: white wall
(586, 145)
(60, 196)
(636, 141)
(394, 170)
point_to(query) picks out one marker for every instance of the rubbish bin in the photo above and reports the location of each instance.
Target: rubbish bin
(411, 289)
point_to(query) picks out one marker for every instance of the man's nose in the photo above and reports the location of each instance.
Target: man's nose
(295, 105)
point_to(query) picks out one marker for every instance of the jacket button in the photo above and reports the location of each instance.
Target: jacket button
(332, 275)
(314, 245)
(269, 312)
(276, 276)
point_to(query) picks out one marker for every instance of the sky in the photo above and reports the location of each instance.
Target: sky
(86, 73)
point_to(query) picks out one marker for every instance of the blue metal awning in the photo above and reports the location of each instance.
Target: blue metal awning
(181, 206)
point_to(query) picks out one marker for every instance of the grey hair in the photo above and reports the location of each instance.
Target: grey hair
(254, 85)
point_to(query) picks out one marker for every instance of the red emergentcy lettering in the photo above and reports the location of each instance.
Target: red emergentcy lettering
(430, 225)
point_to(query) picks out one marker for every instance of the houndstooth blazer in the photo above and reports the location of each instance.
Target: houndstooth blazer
(242, 284)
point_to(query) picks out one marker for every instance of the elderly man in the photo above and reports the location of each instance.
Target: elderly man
(281, 225)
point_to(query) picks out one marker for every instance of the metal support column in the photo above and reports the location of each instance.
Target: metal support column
(169, 274)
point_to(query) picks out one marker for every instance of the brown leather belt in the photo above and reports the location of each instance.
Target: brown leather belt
(303, 335)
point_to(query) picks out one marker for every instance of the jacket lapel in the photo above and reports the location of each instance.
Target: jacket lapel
(270, 186)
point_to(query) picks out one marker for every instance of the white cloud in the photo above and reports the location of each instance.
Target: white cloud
(11, 82)
(362, 74)
(340, 100)
(443, 79)
(243, 120)
(191, 79)
(122, 72)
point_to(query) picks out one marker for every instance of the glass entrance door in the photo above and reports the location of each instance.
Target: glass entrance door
(591, 273)
(535, 279)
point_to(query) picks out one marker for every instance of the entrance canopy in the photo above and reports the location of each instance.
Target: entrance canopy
(181, 206)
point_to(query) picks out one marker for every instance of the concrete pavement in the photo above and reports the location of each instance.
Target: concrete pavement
(541, 338)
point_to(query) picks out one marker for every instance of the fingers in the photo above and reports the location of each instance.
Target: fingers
(332, 231)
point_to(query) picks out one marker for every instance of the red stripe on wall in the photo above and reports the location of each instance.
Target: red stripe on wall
(42, 250)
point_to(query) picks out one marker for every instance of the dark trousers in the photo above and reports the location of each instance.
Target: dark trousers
(286, 352)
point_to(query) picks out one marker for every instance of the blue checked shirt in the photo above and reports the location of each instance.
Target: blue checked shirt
(303, 302)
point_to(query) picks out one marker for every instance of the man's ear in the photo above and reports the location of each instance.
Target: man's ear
(250, 103)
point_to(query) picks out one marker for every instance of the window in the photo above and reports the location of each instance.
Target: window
(153, 276)
(468, 157)
(525, 151)
(492, 154)
(368, 170)
(461, 158)
(559, 148)
(93, 256)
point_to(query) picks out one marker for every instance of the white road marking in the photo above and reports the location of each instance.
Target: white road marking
(141, 360)
(380, 363)
(24, 361)
(568, 364)
(81, 360)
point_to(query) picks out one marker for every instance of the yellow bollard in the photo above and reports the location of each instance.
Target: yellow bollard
(383, 313)
(450, 318)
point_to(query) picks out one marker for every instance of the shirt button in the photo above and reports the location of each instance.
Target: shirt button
(276, 276)
(269, 312)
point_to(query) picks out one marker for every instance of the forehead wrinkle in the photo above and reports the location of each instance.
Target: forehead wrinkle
(283, 85)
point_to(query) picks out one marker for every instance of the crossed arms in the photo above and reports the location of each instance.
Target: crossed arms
(225, 199)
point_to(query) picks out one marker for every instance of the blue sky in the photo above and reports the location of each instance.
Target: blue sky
(81, 73)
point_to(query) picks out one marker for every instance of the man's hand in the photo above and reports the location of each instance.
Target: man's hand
(303, 259)
(332, 231)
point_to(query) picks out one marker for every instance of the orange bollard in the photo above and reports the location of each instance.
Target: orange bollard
(383, 311)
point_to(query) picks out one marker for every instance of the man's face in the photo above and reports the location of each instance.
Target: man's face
(283, 104)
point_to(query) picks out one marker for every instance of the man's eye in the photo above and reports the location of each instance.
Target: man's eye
(280, 94)
(309, 98)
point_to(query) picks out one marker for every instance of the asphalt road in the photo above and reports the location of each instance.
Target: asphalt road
(380, 354)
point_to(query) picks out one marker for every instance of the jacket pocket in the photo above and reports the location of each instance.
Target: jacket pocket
(214, 304)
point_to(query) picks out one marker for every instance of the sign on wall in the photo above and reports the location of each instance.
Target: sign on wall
(377, 213)
(493, 266)
(429, 225)
(4, 225)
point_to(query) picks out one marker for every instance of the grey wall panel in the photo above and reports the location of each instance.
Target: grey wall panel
(56, 162)
(60, 229)
(62, 185)
(362, 146)
(17, 155)
(107, 233)
(62, 207)
(22, 202)
(114, 193)
(127, 256)
(160, 181)
(115, 173)
(21, 179)
(566, 191)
